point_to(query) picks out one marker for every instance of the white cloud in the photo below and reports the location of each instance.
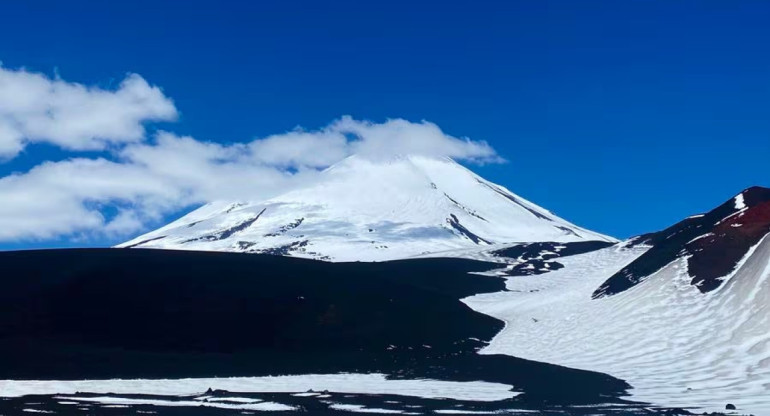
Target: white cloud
(142, 181)
(400, 136)
(300, 148)
(35, 108)
(348, 136)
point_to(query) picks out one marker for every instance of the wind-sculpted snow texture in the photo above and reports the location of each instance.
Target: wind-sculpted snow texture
(682, 315)
(364, 210)
(106, 314)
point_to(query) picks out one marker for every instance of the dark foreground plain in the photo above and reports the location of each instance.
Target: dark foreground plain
(117, 313)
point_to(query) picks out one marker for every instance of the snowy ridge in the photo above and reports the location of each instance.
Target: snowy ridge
(712, 244)
(681, 314)
(671, 342)
(368, 210)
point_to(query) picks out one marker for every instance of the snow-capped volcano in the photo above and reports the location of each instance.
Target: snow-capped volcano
(363, 209)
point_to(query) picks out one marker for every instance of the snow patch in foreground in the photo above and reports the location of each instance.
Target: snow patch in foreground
(339, 383)
(125, 401)
(357, 408)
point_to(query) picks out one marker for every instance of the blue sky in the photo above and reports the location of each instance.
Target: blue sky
(622, 117)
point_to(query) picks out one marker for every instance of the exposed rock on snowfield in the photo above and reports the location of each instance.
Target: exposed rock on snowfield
(713, 244)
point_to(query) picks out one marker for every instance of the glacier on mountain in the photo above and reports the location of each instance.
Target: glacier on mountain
(371, 210)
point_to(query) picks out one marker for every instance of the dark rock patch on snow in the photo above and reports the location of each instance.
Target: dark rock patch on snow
(538, 258)
(455, 224)
(227, 233)
(244, 245)
(288, 227)
(516, 201)
(234, 206)
(464, 208)
(713, 243)
(284, 250)
(145, 241)
(568, 231)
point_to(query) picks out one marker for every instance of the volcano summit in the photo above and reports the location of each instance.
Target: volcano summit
(371, 210)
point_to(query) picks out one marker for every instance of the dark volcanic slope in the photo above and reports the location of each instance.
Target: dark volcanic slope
(715, 242)
(105, 313)
(538, 258)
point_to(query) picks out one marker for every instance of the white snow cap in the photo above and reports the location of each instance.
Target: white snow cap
(371, 209)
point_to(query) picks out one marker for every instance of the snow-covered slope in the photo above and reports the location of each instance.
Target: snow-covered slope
(361, 209)
(683, 315)
(712, 243)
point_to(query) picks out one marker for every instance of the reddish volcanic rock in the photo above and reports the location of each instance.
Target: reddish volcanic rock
(715, 256)
(714, 243)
